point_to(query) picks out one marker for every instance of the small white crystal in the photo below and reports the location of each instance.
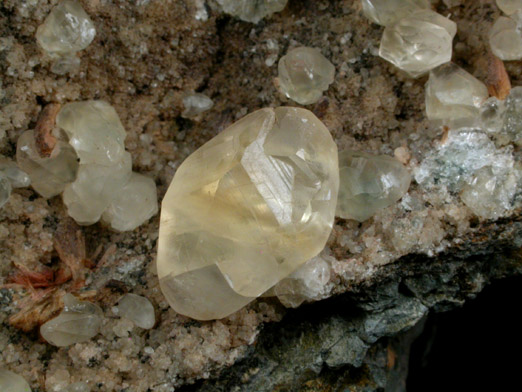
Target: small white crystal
(12, 382)
(137, 309)
(505, 37)
(77, 387)
(78, 322)
(195, 104)
(509, 6)
(513, 116)
(5, 189)
(67, 29)
(134, 204)
(492, 114)
(304, 73)
(452, 93)
(17, 177)
(252, 10)
(386, 12)
(418, 42)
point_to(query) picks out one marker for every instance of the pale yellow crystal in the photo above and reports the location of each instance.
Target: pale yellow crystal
(452, 93)
(78, 322)
(12, 382)
(304, 73)
(369, 183)
(49, 176)
(418, 42)
(245, 210)
(386, 12)
(137, 309)
(509, 6)
(505, 37)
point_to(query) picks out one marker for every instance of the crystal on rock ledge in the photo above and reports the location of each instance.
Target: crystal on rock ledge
(252, 10)
(386, 12)
(509, 7)
(369, 183)
(418, 42)
(137, 309)
(452, 93)
(245, 210)
(12, 382)
(304, 73)
(78, 322)
(505, 37)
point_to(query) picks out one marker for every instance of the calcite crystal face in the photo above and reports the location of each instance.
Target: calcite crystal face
(505, 37)
(452, 93)
(304, 73)
(137, 309)
(78, 322)
(17, 177)
(12, 382)
(5, 189)
(245, 210)
(369, 183)
(386, 12)
(418, 42)
(252, 10)
(67, 29)
(509, 6)
(50, 175)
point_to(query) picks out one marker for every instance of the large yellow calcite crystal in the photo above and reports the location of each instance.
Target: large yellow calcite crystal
(245, 210)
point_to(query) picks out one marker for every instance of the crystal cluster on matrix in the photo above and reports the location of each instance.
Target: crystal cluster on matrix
(12, 382)
(245, 210)
(252, 10)
(304, 73)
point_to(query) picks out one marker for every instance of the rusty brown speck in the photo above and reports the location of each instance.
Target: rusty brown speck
(44, 139)
(499, 85)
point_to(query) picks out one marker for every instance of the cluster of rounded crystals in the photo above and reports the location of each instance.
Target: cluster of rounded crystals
(387, 12)
(418, 42)
(304, 73)
(369, 183)
(12, 382)
(245, 210)
(252, 10)
(11, 176)
(505, 37)
(453, 94)
(105, 186)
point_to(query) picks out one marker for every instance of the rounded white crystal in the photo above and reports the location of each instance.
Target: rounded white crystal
(386, 12)
(252, 10)
(195, 104)
(509, 7)
(12, 382)
(17, 177)
(505, 38)
(137, 309)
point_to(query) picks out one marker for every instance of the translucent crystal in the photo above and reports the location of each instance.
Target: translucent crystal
(78, 322)
(137, 309)
(67, 29)
(17, 177)
(509, 6)
(245, 210)
(369, 183)
(513, 116)
(5, 189)
(95, 131)
(252, 10)
(492, 114)
(65, 64)
(386, 12)
(12, 382)
(452, 93)
(195, 104)
(505, 38)
(418, 42)
(134, 204)
(95, 188)
(304, 73)
(49, 176)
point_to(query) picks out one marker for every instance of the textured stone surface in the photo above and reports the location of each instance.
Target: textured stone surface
(77, 387)
(137, 309)
(387, 12)
(245, 210)
(418, 42)
(252, 10)
(12, 382)
(369, 183)
(509, 6)
(195, 104)
(304, 73)
(505, 38)
(452, 94)
(78, 322)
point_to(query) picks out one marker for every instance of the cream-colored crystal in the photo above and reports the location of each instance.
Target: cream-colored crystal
(386, 12)
(369, 183)
(505, 37)
(509, 7)
(245, 210)
(452, 93)
(78, 322)
(195, 104)
(5, 189)
(252, 10)
(137, 309)
(12, 382)
(418, 42)
(49, 176)
(17, 177)
(304, 73)
(67, 29)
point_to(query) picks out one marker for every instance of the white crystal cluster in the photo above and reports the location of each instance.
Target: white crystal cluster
(195, 104)
(66, 30)
(12, 382)
(252, 10)
(505, 37)
(415, 39)
(11, 176)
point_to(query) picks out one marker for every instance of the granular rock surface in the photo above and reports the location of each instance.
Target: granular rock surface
(146, 56)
